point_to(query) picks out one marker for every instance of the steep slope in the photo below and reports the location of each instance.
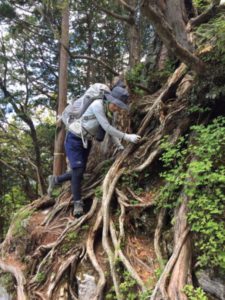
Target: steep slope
(122, 248)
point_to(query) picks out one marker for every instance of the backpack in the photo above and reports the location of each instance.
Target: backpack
(74, 111)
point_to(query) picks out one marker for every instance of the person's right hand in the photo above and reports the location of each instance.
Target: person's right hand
(133, 138)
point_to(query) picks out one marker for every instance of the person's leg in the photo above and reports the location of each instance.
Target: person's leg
(77, 176)
(64, 177)
(76, 183)
(77, 156)
(55, 180)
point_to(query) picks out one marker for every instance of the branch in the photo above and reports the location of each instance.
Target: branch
(15, 170)
(213, 9)
(75, 56)
(125, 4)
(130, 20)
(166, 34)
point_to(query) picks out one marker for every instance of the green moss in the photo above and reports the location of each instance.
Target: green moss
(69, 241)
(98, 192)
(7, 281)
(20, 222)
(40, 277)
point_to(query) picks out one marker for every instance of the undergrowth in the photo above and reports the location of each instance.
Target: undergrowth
(195, 168)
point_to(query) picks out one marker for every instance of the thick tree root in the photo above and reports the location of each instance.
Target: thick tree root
(161, 284)
(19, 276)
(48, 259)
(157, 236)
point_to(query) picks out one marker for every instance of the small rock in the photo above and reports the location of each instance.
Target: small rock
(86, 287)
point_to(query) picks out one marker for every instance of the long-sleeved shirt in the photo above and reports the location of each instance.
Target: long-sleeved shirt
(95, 116)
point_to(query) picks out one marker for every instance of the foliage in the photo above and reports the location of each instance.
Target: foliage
(127, 287)
(194, 294)
(98, 192)
(18, 176)
(20, 222)
(131, 180)
(211, 38)
(7, 281)
(197, 171)
(7, 11)
(134, 76)
(69, 241)
(40, 277)
(11, 202)
(201, 4)
(153, 80)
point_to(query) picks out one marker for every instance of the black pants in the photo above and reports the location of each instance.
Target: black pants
(76, 176)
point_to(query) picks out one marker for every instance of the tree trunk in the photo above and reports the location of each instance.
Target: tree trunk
(38, 164)
(182, 269)
(59, 161)
(181, 274)
(134, 45)
(154, 12)
(90, 65)
(177, 17)
(134, 38)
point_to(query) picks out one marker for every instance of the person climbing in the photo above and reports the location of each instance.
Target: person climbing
(78, 146)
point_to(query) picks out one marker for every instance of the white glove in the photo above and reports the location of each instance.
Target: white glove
(133, 138)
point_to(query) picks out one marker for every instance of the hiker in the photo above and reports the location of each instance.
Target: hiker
(78, 146)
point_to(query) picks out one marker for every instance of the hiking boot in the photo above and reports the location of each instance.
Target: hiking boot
(78, 208)
(51, 184)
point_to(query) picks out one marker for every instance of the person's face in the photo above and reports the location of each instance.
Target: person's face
(114, 108)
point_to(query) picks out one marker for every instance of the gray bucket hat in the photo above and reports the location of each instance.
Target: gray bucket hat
(118, 96)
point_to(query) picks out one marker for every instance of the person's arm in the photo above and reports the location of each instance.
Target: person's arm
(99, 113)
(117, 143)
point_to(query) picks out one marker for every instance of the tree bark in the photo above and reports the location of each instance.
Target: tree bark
(182, 268)
(90, 65)
(134, 45)
(165, 32)
(176, 15)
(134, 39)
(213, 9)
(59, 161)
(181, 274)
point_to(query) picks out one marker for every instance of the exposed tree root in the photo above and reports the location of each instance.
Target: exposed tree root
(19, 276)
(93, 259)
(161, 284)
(122, 257)
(63, 267)
(48, 258)
(157, 236)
